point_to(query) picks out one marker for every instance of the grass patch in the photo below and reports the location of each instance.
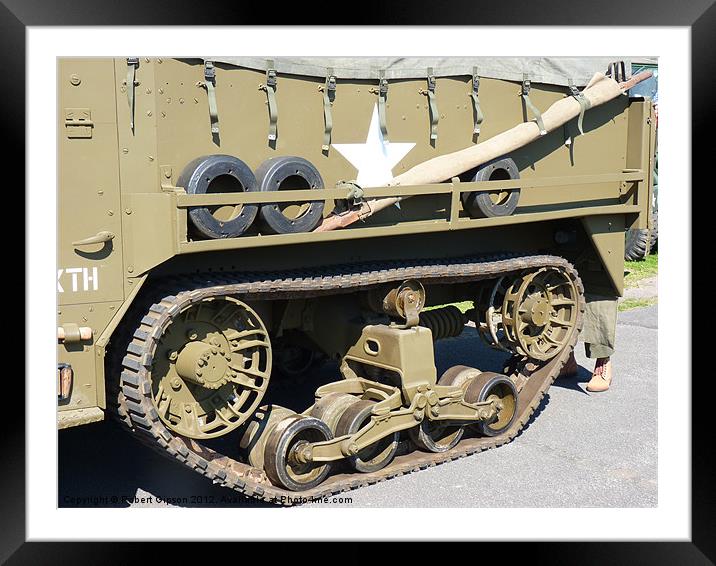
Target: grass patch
(638, 270)
(628, 304)
(464, 306)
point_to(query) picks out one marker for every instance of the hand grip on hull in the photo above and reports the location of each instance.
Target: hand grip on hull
(99, 238)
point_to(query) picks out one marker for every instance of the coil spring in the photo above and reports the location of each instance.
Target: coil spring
(445, 322)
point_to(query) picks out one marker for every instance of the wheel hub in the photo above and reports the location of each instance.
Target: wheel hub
(204, 364)
(537, 311)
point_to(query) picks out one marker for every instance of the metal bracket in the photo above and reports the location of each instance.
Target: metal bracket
(329, 96)
(434, 114)
(479, 116)
(382, 97)
(617, 70)
(165, 178)
(131, 82)
(270, 88)
(78, 122)
(210, 85)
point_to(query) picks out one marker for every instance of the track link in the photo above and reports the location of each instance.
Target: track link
(139, 412)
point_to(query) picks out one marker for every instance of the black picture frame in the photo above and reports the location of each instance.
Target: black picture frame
(699, 15)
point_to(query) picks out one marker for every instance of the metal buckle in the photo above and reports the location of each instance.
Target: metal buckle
(271, 77)
(526, 86)
(431, 83)
(209, 71)
(475, 83)
(133, 61)
(331, 83)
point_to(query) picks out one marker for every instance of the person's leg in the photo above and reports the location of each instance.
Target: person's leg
(600, 323)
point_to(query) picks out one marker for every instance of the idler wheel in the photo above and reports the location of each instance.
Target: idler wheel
(219, 174)
(284, 463)
(379, 454)
(501, 202)
(287, 173)
(490, 386)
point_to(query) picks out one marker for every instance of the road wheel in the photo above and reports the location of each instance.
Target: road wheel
(379, 454)
(282, 459)
(490, 386)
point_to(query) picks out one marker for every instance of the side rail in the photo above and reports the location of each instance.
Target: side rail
(540, 199)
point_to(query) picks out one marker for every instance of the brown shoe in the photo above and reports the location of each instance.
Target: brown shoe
(570, 367)
(602, 376)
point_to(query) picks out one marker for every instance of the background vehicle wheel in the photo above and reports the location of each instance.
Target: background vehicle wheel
(490, 385)
(281, 462)
(289, 173)
(379, 454)
(495, 203)
(655, 234)
(635, 241)
(219, 174)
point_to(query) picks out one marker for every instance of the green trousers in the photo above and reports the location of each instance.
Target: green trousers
(600, 325)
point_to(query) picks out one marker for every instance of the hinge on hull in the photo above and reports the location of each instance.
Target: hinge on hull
(78, 122)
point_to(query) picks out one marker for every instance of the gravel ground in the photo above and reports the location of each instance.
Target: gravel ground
(644, 289)
(581, 450)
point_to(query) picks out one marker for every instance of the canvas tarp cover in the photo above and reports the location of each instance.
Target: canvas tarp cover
(549, 70)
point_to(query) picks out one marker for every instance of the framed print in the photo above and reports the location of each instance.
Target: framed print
(345, 270)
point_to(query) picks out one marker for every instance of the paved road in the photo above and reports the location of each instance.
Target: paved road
(582, 449)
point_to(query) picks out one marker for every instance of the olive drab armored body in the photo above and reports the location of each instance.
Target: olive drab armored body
(228, 224)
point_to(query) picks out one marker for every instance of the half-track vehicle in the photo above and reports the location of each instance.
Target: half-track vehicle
(227, 224)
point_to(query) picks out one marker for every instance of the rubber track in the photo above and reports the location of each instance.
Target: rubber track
(136, 384)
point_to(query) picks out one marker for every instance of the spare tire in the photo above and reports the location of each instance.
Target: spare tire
(495, 203)
(286, 173)
(219, 174)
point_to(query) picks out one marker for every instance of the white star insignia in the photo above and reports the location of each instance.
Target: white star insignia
(375, 158)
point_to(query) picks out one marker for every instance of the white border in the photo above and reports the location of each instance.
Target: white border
(670, 520)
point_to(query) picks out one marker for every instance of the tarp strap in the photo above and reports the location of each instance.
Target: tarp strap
(584, 104)
(526, 86)
(329, 95)
(479, 117)
(382, 96)
(132, 65)
(210, 84)
(434, 114)
(270, 89)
